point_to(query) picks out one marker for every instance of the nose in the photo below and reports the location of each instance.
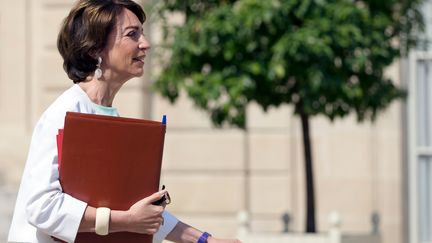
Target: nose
(144, 43)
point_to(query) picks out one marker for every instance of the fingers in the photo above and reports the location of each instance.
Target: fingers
(155, 222)
(154, 227)
(146, 217)
(155, 196)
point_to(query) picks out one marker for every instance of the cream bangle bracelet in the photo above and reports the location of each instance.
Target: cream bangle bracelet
(102, 220)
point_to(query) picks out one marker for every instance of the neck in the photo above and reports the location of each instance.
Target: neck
(101, 92)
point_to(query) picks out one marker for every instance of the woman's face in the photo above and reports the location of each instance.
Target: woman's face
(123, 57)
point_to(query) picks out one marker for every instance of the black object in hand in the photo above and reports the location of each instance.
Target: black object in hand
(160, 201)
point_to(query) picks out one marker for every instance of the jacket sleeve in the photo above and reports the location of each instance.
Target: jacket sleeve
(48, 208)
(169, 223)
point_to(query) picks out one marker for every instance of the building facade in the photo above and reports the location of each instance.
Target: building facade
(419, 167)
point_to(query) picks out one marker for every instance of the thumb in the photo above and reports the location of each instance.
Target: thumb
(155, 196)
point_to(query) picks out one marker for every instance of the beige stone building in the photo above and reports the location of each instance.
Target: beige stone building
(213, 174)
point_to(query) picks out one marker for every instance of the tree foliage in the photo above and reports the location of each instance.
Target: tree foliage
(323, 57)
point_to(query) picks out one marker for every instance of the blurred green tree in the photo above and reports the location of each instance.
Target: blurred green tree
(323, 57)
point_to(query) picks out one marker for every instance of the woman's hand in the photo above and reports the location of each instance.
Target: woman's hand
(215, 240)
(146, 218)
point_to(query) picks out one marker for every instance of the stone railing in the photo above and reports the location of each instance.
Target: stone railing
(334, 235)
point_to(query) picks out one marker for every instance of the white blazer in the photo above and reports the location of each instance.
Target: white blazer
(42, 210)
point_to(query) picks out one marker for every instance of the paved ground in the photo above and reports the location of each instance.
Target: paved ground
(7, 203)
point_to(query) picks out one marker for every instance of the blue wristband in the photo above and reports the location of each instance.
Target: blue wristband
(203, 238)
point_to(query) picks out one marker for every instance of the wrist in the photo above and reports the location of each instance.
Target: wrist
(204, 238)
(102, 222)
(120, 221)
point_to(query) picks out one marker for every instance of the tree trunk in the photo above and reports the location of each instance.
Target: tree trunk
(310, 193)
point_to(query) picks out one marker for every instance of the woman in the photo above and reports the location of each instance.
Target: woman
(103, 46)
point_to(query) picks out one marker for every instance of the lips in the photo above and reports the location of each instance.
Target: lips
(139, 59)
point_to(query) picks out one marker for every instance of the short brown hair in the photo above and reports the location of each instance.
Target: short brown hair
(85, 31)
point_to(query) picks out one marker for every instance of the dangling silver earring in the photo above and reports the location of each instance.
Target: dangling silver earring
(98, 71)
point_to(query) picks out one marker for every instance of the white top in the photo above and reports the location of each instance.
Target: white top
(42, 209)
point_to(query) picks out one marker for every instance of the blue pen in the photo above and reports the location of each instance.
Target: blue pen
(164, 120)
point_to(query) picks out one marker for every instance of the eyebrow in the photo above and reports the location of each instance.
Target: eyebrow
(135, 27)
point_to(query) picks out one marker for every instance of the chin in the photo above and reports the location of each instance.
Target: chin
(137, 73)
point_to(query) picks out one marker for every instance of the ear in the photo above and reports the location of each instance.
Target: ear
(101, 53)
(95, 54)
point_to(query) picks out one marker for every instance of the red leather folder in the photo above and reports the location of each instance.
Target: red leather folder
(110, 162)
(59, 139)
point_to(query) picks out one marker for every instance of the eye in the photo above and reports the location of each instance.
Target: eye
(131, 33)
